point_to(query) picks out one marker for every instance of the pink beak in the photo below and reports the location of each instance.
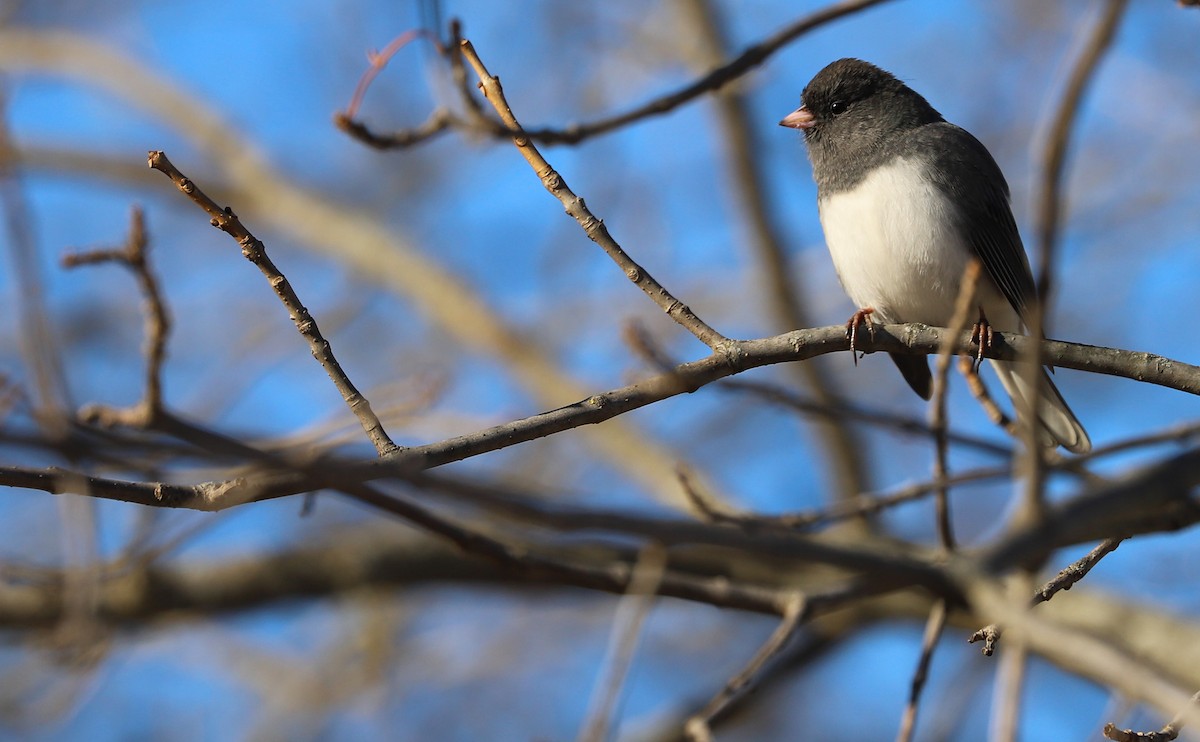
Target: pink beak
(801, 119)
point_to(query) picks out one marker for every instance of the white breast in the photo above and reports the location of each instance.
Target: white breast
(896, 250)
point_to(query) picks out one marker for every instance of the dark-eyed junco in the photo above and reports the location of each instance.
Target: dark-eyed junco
(906, 199)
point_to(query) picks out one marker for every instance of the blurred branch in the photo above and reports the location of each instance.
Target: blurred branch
(936, 621)
(1064, 580)
(963, 306)
(39, 343)
(632, 611)
(1099, 658)
(1005, 716)
(698, 727)
(860, 505)
(933, 632)
(1155, 497)
(717, 77)
(1054, 156)
(1048, 208)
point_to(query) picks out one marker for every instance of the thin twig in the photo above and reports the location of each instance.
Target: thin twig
(966, 367)
(1048, 220)
(1053, 157)
(376, 61)
(697, 728)
(440, 120)
(1168, 733)
(1010, 679)
(574, 205)
(937, 409)
(860, 505)
(1064, 580)
(135, 256)
(256, 253)
(847, 411)
(933, 631)
(39, 344)
(632, 611)
(1076, 571)
(716, 78)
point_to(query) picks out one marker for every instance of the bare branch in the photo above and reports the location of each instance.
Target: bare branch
(135, 256)
(1168, 733)
(594, 228)
(933, 631)
(937, 408)
(632, 610)
(715, 79)
(254, 250)
(697, 728)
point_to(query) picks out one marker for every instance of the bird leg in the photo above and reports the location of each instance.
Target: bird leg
(982, 334)
(860, 318)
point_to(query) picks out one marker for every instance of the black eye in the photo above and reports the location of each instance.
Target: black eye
(837, 107)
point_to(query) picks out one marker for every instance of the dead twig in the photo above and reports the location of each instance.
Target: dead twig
(253, 249)
(134, 255)
(575, 206)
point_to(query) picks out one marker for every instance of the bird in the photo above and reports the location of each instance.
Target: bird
(906, 201)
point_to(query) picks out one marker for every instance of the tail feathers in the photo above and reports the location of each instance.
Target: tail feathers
(916, 373)
(1057, 425)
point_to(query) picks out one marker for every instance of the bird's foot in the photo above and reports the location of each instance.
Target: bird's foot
(983, 335)
(859, 319)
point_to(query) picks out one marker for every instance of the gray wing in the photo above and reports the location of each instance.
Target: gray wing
(966, 172)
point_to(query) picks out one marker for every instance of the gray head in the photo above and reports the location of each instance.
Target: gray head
(850, 110)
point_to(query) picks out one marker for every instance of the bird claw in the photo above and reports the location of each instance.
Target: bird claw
(860, 318)
(983, 335)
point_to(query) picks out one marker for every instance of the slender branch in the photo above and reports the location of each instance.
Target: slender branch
(1053, 157)
(933, 631)
(966, 367)
(254, 250)
(1076, 571)
(697, 728)
(440, 120)
(632, 611)
(848, 411)
(937, 407)
(1064, 580)
(575, 207)
(714, 79)
(750, 58)
(1168, 733)
(936, 621)
(640, 342)
(135, 256)
(38, 340)
(1048, 217)
(1005, 713)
